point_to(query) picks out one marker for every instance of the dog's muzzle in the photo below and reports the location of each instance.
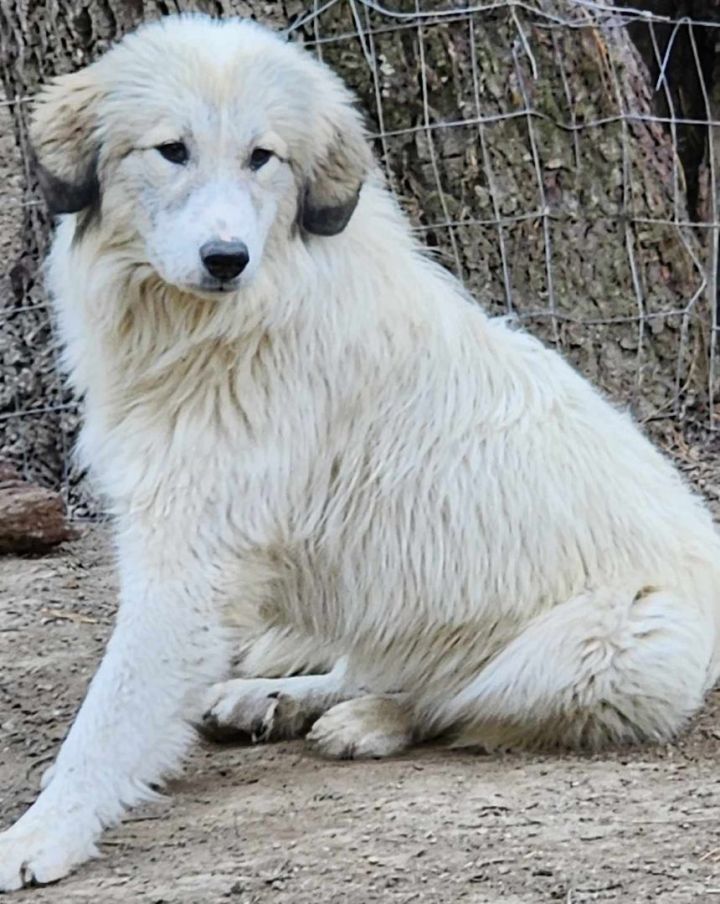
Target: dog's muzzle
(224, 260)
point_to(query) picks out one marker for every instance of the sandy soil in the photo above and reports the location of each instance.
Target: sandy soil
(275, 824)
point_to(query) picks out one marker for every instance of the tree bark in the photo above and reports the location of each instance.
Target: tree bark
(566, 217)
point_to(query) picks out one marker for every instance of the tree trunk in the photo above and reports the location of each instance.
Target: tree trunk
(569, 217)
(685, 56)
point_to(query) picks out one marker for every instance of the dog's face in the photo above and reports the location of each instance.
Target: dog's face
(195, 143)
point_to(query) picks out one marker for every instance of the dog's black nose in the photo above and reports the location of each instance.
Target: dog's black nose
(224, 260)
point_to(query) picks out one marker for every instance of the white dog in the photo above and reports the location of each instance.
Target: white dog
(315, 445)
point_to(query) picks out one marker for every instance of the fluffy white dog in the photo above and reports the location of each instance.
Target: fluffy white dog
(316, 446)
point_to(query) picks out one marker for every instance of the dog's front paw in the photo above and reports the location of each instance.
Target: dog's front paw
(39, 849)
(256, 708)
(240, 707)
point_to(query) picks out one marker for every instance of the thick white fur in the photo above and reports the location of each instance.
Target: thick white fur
(345, 453)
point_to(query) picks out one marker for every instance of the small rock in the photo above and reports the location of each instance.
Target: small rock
(32, 518)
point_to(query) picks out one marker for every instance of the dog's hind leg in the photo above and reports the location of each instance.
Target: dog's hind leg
(271, 709)
(369, 726)
(612, 666)
(281, 651)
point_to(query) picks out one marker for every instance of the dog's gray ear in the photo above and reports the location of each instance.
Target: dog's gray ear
(333, 188)
(64, 140)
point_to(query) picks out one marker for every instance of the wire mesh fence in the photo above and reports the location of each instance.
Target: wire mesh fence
(560, 156)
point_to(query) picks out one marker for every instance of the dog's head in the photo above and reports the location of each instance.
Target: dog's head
(194, 143)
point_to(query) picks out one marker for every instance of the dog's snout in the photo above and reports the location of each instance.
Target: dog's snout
(224, 260)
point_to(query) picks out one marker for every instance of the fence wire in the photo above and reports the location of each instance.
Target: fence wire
(546, 153)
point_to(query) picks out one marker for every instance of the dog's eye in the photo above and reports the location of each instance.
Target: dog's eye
(174, 151)
(259, 158)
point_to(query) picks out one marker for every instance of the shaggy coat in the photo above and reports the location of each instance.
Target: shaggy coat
(414, 520)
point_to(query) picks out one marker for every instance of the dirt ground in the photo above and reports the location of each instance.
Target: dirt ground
(275, 824)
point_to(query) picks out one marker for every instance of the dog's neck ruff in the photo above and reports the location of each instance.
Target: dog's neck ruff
(327, 287)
